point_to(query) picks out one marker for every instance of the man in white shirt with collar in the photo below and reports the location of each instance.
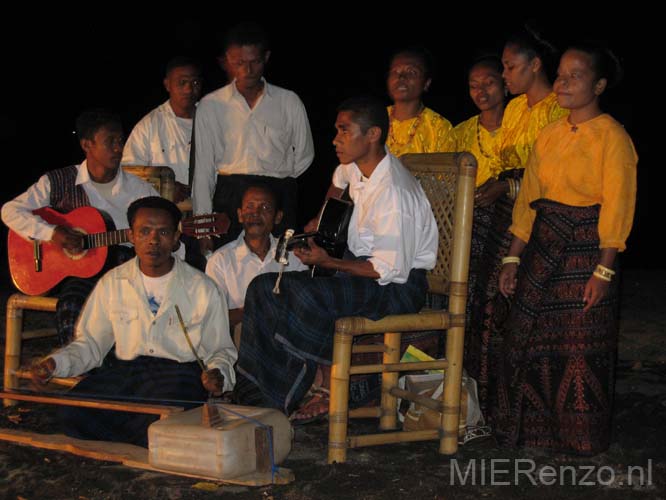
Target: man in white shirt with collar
(248, 130)
(137, 307)
(392, 239)
(98, 182)
(237, 263)
(163, 136)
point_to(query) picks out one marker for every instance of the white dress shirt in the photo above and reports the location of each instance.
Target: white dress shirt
(392, 221)
(17, 213)
(117, 311)
(271, 139)
(161, 138)
(234, 265)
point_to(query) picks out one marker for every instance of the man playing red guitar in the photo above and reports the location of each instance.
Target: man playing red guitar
(98, 182)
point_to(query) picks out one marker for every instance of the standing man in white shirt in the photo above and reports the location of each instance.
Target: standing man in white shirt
(163, 136)
(238, 262)
(392, 240)
(137, 307)
(98, 182)
(247, 130)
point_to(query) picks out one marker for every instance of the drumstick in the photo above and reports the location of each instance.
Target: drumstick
(189, 342)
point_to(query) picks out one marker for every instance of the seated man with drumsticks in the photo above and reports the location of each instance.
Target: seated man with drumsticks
(169, 326)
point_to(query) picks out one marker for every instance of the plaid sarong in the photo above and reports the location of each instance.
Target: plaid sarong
(286, 335)
(144, 377)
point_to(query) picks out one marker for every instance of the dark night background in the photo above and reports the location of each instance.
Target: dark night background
(54, 68)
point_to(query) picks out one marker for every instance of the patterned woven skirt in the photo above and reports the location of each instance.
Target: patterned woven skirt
(554, 364)
(490, 242)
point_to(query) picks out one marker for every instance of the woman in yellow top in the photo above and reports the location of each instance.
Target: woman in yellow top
(480, 136)
(413, 128)
(526, 59)
(572, 217)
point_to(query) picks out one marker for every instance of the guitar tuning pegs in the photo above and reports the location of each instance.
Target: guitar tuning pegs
(281, 251)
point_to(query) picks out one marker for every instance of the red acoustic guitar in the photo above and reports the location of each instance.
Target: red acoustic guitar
(37, 266)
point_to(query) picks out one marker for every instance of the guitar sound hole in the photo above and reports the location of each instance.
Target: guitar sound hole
(83, 252)
(75, 256)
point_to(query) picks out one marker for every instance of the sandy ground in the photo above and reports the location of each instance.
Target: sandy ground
(409, 471)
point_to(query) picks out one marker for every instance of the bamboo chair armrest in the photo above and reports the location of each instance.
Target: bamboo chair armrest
(432, 320)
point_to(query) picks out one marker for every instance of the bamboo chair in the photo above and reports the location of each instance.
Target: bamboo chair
(163, 180)
(162, 176)
(448, 180)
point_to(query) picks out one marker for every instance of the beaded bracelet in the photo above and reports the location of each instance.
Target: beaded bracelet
(511, 260)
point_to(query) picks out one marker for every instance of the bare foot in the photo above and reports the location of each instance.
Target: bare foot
(314, 407)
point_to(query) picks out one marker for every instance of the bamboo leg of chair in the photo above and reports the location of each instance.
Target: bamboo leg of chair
(338, 410)
(448, 444)
(12, 347)
(389, 418)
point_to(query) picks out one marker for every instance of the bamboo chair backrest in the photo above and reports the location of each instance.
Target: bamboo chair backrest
(162, 178)
(448, 180)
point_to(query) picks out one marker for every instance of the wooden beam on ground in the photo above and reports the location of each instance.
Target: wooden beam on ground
(98, 404)
(130, 455)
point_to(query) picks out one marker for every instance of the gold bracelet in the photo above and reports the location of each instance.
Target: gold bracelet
(601, 276)
(511, 260)
(605, 270)
(512, 188)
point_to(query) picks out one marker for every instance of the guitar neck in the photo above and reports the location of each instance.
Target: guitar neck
(106, 239)
(299, 239)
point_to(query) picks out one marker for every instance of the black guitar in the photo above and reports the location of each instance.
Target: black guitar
(331, 234)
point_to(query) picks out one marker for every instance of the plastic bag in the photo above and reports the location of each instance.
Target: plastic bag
(419, 417)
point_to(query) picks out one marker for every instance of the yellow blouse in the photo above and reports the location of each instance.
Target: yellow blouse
(428, 132)
(594, 164)
(521, 126)
(484, 145)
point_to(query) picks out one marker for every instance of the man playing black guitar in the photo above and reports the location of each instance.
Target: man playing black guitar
(393, 235)
(98, 182)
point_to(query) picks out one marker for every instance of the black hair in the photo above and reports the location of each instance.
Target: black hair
(266, 187)
(180, 62)
(605, 63)
(246, 33)
(368, 111)
(530, 42)
(158, 203)
(491, 61)
(91, 120)
(422, 54)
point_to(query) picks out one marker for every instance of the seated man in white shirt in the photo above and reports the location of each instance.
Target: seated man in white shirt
(137, 307)
(98, 182)
(237, 263)
(246, 131)
(163, 136)
(392, 241)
